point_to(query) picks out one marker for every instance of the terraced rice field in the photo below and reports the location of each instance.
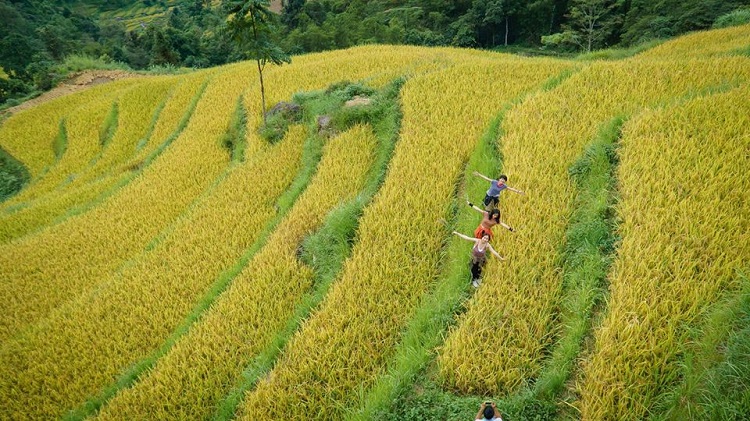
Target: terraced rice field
(167, 261)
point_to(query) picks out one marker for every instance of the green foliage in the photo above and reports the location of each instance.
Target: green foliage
(327, 249)
(735, 18)
(252, 25)
(565, 41)
(42, 41)
(648, 19)
(592, 23)
(234, 139)
(109, 126)
(428, 402)
(279, 119)
(13, 175)
(742, 51)
(619, 53)
(274, 128)
(330, 102)
(347, 116)
(13, 89)
(60, 143)
(78, 62)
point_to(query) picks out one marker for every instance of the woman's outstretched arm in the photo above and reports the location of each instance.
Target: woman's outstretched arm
(495, 253)
(480, 175)
(465, 237)
(478, 209)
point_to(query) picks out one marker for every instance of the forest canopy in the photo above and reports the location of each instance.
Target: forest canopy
(37, 36)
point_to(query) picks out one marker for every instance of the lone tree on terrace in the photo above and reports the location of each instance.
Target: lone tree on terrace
(251, 24)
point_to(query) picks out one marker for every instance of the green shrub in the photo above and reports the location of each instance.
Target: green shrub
(13, 175)
(79, 62)
(620, 53)
(735, 18)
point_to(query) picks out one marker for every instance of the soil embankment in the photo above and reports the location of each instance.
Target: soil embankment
(77, 82)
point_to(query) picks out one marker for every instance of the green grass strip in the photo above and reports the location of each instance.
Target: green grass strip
(234, 139)
(716, 364)
(109, 126)
(60, 142)
(312, 152)
(392, 396)
(327, 249)
(154, 119)
(146, 162)
(588, 254)
(437, 312)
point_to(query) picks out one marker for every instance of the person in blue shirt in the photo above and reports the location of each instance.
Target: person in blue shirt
(492, 198)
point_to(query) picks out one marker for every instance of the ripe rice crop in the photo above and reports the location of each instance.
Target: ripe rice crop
(28, 135)
(683, 243)
(543, 137)
(42, 271)
(136, 110)
(201, 368)
(86, 249)
(703, 44)
(344, 345)
(83, 145)
(121, 261)
(82, 127)
(90, 341)
(53, 206)
(71, 255)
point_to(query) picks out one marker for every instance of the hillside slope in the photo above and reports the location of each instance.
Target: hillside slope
(164, 258)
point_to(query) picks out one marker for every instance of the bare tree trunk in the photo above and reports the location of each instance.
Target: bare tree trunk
(262, 92)
(506, 31)
(551, 19)
(588, 30)
(260, 75)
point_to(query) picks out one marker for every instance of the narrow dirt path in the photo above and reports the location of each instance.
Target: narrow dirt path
(76, 83)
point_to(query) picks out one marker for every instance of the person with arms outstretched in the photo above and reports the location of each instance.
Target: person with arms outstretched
(489, 220)
(479, 256)
(492, 197)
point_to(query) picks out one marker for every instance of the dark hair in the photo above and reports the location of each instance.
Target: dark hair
(488, 412)
(503, 177)
(495, 214)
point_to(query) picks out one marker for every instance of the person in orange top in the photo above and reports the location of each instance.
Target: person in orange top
(489, 220)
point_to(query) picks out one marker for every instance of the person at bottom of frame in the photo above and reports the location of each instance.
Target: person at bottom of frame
(488, 412)
(478, 256)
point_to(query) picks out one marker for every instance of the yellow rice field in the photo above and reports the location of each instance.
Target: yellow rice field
(154, 248)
